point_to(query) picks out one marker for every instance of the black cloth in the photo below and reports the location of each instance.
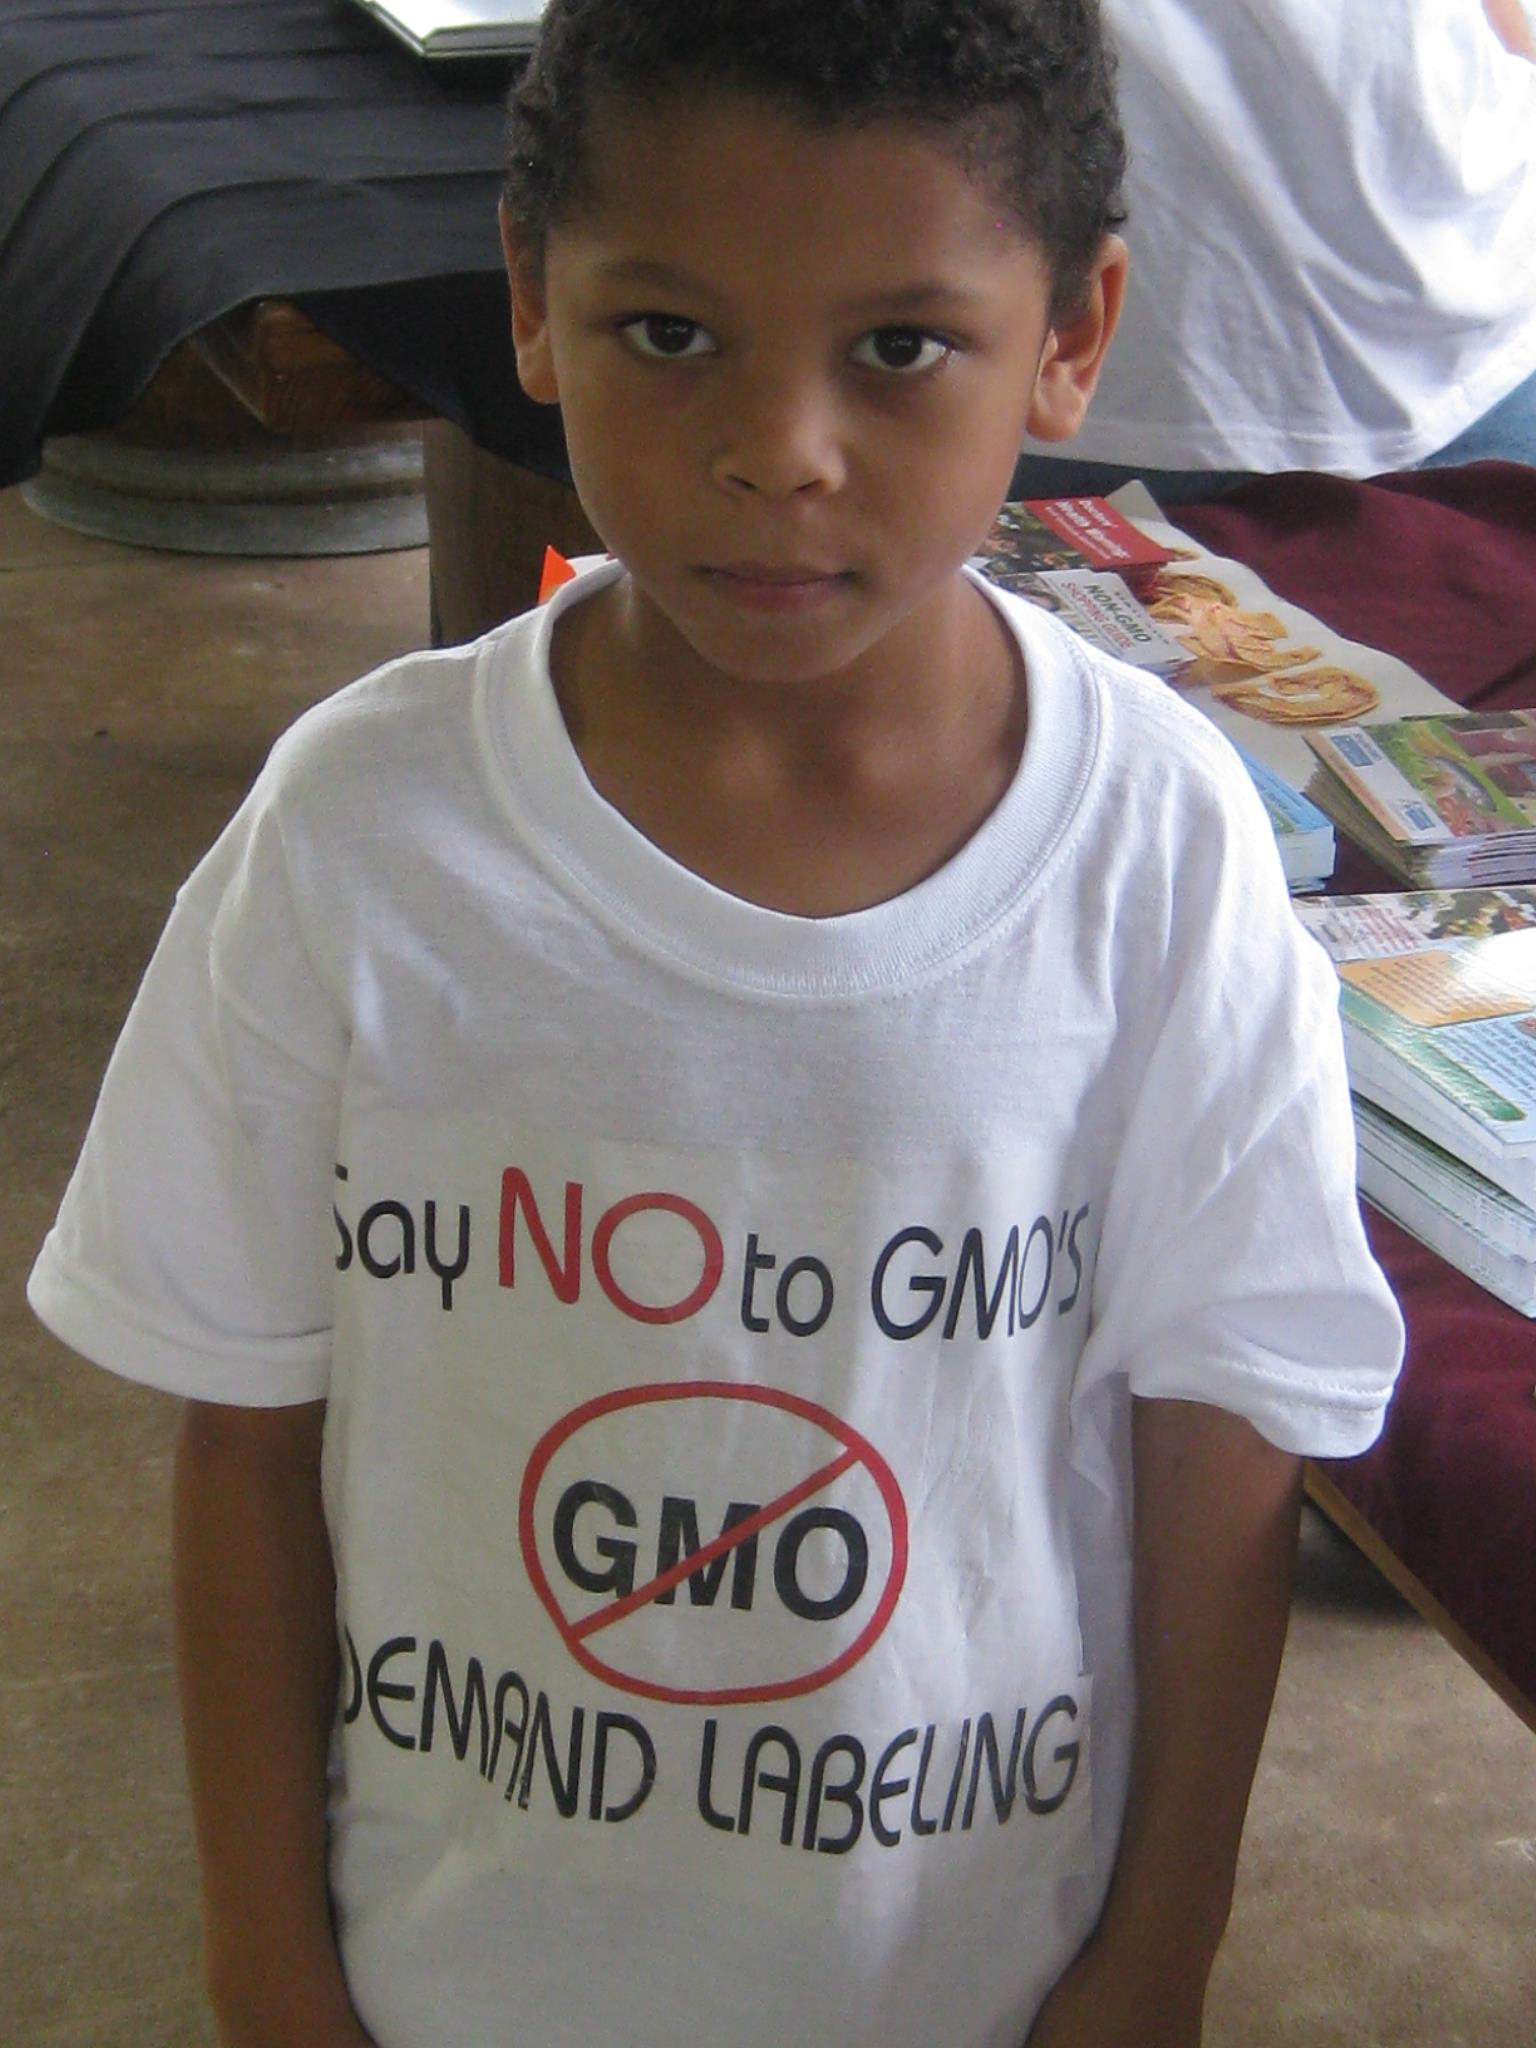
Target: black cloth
(165, 161)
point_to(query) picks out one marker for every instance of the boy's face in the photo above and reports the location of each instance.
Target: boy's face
(795, 367)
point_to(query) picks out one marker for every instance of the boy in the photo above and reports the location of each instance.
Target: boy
(719, 1131)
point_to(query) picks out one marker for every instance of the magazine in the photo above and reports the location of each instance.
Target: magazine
(1438, 996)
(1441, 801)
(1261, 668)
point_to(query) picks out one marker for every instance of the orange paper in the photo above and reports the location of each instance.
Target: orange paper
(556, 570)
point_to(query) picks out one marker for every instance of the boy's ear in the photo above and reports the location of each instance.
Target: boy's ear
(1076, 347)
(530, 320)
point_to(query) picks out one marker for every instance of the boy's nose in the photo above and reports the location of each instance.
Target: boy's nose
(779, 441)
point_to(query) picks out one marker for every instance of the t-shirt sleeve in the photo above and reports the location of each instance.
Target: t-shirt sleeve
(193, 1249)
(1233, 1264)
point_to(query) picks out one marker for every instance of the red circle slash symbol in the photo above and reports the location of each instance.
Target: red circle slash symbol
(855, 1456)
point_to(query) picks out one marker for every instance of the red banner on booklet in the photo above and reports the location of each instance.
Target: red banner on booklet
(1103, 537)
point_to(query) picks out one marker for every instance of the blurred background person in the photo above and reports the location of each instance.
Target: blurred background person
(1332, 220)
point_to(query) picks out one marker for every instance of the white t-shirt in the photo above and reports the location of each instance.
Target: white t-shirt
(1332, 221)
(727, 1320)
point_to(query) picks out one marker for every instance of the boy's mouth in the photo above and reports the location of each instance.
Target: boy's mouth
(775, 586)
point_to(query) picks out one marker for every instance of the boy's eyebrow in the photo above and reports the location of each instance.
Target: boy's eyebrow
(924, 295)
(644, 270)
(914, 298)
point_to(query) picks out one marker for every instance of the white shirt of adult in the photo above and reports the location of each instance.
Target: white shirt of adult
(1332, 219)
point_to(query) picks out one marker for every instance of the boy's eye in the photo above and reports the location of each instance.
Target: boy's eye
(906, 350)
(666, 335)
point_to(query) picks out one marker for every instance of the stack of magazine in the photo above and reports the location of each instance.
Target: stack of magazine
(1441, 801)
(1439, 1007)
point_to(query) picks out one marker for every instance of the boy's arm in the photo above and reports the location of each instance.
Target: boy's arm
(1216, 1514)
(256, 1646)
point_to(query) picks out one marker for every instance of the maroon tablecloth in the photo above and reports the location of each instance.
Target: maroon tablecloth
(1440, 569)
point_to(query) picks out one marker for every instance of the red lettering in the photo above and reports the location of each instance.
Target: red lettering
(563, 1271)
(709, 1240)
(564, 1275)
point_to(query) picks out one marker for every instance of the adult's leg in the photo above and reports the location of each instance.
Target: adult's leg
(1505, 433)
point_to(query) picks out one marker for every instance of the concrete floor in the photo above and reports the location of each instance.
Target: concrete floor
(1388, 1891)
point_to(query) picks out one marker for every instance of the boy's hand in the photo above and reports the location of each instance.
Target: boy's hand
(1101, 2002)
(251, 2030)
(256, 1595)
(1214, 1541)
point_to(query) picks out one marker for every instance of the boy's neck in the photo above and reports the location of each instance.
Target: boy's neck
(816, 798)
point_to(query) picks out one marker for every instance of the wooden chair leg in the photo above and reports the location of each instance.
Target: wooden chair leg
(489, 523)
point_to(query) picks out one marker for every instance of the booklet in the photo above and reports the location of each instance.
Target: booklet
(1438, 997)
(439, 29)
(1441, 801)
(1033, 534)
(1101, 608)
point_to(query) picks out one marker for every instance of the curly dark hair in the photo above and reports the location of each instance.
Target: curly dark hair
(1022, 90)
